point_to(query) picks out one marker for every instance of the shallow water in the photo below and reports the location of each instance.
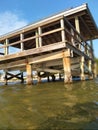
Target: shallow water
(50, 106)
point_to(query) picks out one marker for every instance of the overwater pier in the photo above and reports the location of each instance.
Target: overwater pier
(62, 43)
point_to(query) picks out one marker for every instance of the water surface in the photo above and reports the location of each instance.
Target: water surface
(50, 106)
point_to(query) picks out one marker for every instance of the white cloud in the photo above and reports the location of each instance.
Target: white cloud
(10, 21)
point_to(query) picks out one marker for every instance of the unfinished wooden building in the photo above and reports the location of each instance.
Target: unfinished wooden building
(58, 44)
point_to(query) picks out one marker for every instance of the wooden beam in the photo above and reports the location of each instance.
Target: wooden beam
(77, 26)
(67, 70)
(82, 68)
(29, 74)
(49, 57)
(22, 44)
(6, 47)
(62, 31)
(40, 38)
(29, 52)
(37, 40)
(50, 70)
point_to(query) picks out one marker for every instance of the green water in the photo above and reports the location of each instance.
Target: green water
(50, 106)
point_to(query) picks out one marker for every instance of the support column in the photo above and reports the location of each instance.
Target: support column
(90, 69)
(29, 73)
(37, 41)
(21, 38)
(82, 68)
(62, 32)
(6, 48)
(5, 78)
(39, 78)
(95, 70)
(22, 79)
(77, 25)
(40, 38)
(67, 70)
(92, 53)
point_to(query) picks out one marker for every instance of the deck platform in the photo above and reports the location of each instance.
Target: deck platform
(60, 44)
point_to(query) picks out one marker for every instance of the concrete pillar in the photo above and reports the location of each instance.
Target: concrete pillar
(29, 74)
(67, 70)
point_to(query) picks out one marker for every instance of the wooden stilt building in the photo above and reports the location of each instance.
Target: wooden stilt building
(58, 44)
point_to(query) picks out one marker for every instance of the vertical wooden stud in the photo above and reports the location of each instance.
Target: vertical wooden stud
(40, 38)
(37, 41)
(21, 38)
(62, 32)
(77, 26)
(6, 48)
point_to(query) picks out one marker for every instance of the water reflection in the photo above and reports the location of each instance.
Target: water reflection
(49, 106)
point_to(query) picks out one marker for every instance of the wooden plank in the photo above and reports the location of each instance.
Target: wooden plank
(49, 57)
(29, 52)
(54, 71)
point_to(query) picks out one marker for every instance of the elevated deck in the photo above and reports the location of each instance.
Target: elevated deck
(58, 44)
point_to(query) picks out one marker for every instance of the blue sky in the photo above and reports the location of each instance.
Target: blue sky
(17, 13)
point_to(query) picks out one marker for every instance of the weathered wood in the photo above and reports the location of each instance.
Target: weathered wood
(63, 31)
(49, 57)
(82, 68)
(22, 44)
(37, 40)
(67, 70)
(6, 47)
(50, 70)
(40, 38)
(29, 80)
(29, 52)
(95, 70)
(77, 26)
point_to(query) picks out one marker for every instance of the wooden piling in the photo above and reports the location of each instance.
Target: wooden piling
(67, 70)
(82, 76)
(29, 74)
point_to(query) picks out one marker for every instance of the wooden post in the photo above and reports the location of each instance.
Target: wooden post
(29, 73)
(5, 78)
(21, 38)
(22, 79)
(62, 32)
(37, 41)
(67, 70)
(90, 69)
(40, 38)
(39, 78)
(92, 53)
(77, 28)
(82, 68)
(6, 48)
(95, 70)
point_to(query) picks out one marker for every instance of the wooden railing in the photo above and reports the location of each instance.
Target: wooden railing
(66, 32)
